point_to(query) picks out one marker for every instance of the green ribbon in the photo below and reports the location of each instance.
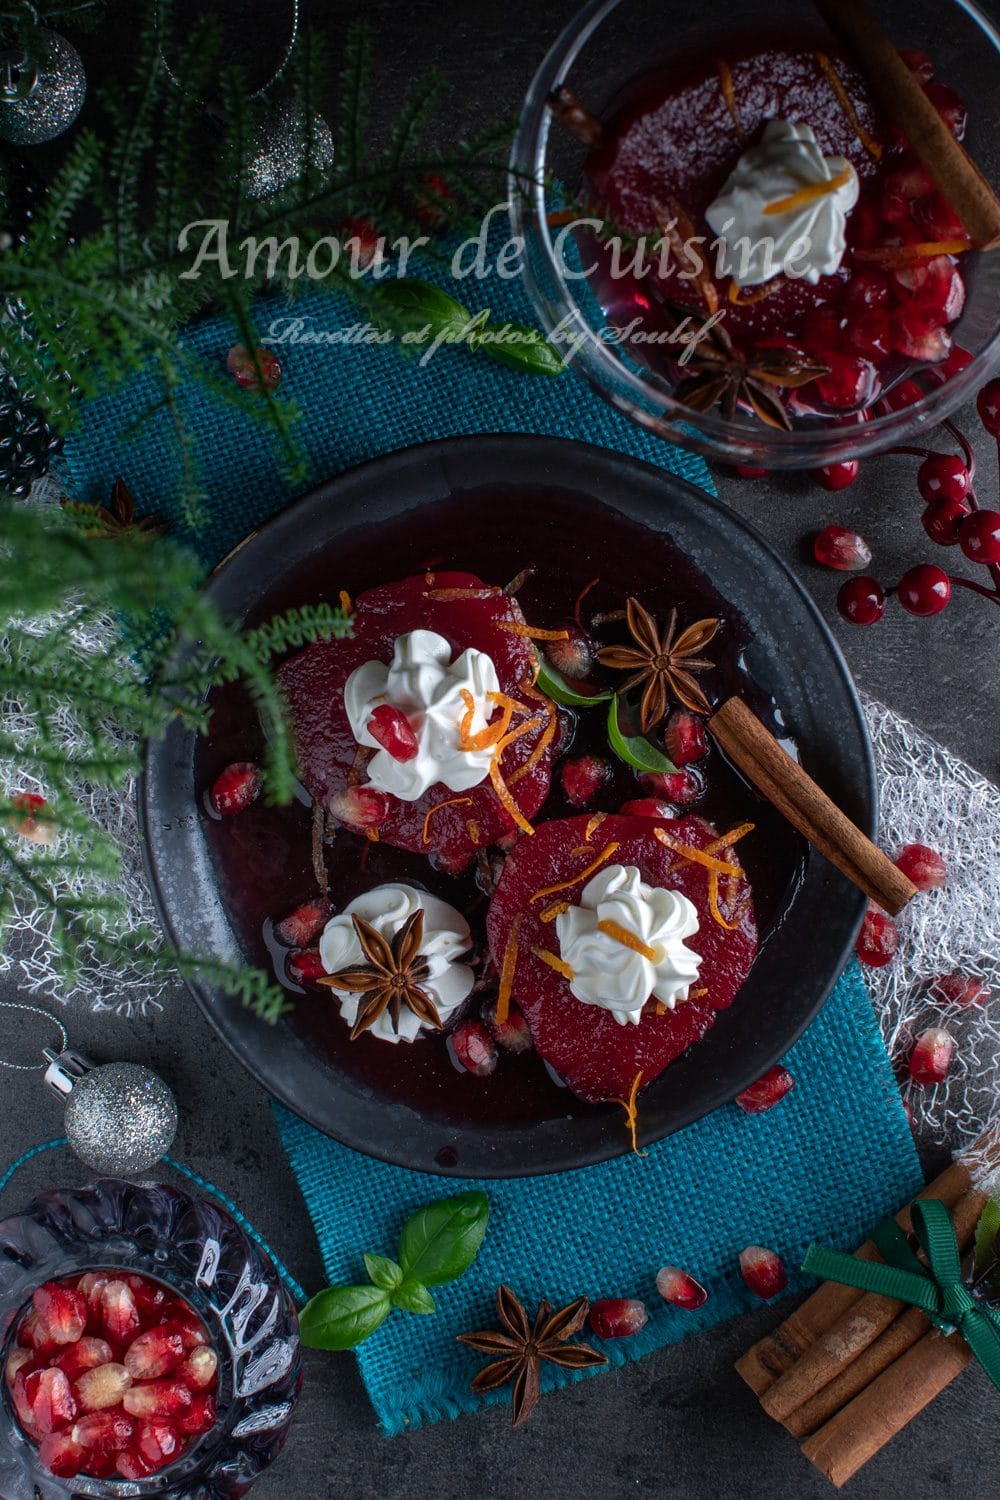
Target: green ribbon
(936, 1288)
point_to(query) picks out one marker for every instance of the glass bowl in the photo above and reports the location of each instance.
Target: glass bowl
(611, 42)
(199, 1251)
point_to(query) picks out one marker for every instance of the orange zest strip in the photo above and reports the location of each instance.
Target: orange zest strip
(911, 255)
(371, 834)
(732, 837)
(809, 194)
(843, 99)
(545, 739)
(429, 577)
(593, 825)
(694, 994)
(472, 829)
(697, 856)
(580, 598)
(627, 939)
(554, 962)
(564, 885)
(345, 602)
(532, 632)
(507, 970)
(506, 800)
(632, 1113)
(734, 291)
(713, 903)
(725, 73)
(556, 909)
(450, 802)
(446, 594)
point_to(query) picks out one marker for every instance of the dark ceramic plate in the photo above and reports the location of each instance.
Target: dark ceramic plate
(790, 655)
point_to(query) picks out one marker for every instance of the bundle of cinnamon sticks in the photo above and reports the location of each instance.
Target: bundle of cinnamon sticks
(849, 1369)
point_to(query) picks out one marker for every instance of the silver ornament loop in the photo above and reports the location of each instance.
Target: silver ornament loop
(46, 1015)
(121, 1119)
(18, 77)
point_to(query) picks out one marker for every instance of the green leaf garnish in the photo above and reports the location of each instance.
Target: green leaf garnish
(413, 1297)
(634, 750)
(383, 1271)
(520, 348)
(555, 686)
(987, 1230)
(440, 1241)
(343, 1316)
(410, 306)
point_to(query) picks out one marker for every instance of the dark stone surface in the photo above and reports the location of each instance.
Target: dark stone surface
(681, 1424)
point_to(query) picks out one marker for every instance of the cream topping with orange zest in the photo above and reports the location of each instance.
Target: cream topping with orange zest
(625, 942)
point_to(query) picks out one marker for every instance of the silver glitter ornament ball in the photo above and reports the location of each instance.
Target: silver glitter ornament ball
(278, 151)
(121, 1119)
(56, 87)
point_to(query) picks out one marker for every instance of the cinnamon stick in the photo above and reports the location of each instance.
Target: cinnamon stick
(901, 1334)
(900, 95)
(807, 807)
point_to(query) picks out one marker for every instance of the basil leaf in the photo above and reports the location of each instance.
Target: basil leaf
(521, 348)
(410, 306)
(413, 1297)
(636, 750)
(342, 1316)
(383, 1272)
(440, 1241)
(555, 686)
(986, 1235)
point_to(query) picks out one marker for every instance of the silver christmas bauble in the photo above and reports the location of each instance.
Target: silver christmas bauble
(41, 96)
(121, 1119)
(278, 150)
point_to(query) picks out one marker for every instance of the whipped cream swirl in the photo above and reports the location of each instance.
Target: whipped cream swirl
(446, 938)
(610, 973)
(761, 236)
(427, 686)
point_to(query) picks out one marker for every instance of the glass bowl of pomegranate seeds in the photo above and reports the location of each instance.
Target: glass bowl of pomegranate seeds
(733, 242)
(147, 1344)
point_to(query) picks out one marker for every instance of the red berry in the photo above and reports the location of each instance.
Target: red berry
(988, 406)
(949, 106)
(62, 1313)
(861, 600)
(360, 807)
(393, 731)
(681, 787)
(473, 1048)
(942, 521)
(924, 590)
(878, 939)
(513, 1034)
(837, 476)
(931, 1057)
(366, 246)
(574, 656)
(836, 547)
(922, 865)
(762, 1271)
(956, 989)
(768, 1091)
(979, 536)
(61, 1456)
(852, 381)
(237, 788)
(157, 1352)
(583, 778)
(943, 476)
(304, 966)
(239, 363)
(617, 1317)
(684, 737)
(36, 830)
(649, 807)
(679, 1289)
(303, 925)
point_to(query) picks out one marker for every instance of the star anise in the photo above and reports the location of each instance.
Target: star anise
(722, 375)
(391, 978)
(118, 517)
(519, 1348)
(659, 661)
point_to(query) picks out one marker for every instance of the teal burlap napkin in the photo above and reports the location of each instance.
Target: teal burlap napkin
(826, 1164)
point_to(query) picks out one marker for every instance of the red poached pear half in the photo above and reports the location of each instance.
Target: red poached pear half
(467, 612)
(598, 1058)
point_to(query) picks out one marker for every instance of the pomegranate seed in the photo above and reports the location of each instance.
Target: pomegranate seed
(861, 600)
(366, 245)
(988, 406)
(91, 1286)
(682, 787)
(953, 365)
(472, 1047)
(132, 1465)
(512, 1034)
(617, 1317)
(432, 205)
(902, 395)
(979, 536)
(155, 1353)
(878, 939)
(649, 807)
(574, 656)
(583, 778)
(925, 589)
(931, 1057)
(32, 1335)
(768, 1091)
(157, 1398)
(304, 966)
(86, 1355)
(836, 547)
(393, 731)
(866, 290)
(956, 989)
(918, 62)
(762, 1271)
(823, 331)
(679, 1289)
(103, 1387)
(922, 865)
(914, 337)
(23, 1408)
(238, 786)
(190, 1327)
(199, 1417)
(60, 1455)
(304, 925)
(684, 737)
(62, 1313)
(200, 1369)
(18, 1359)
(360, 807)
(943, 519)
(852, 381)
(943, 476)
(51, 1400)
(119, 1312)
(837, 476)
(158, 1441)
(239, 363)
(936, 214)
(871, 335)
(35, 830)
(949, 106)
